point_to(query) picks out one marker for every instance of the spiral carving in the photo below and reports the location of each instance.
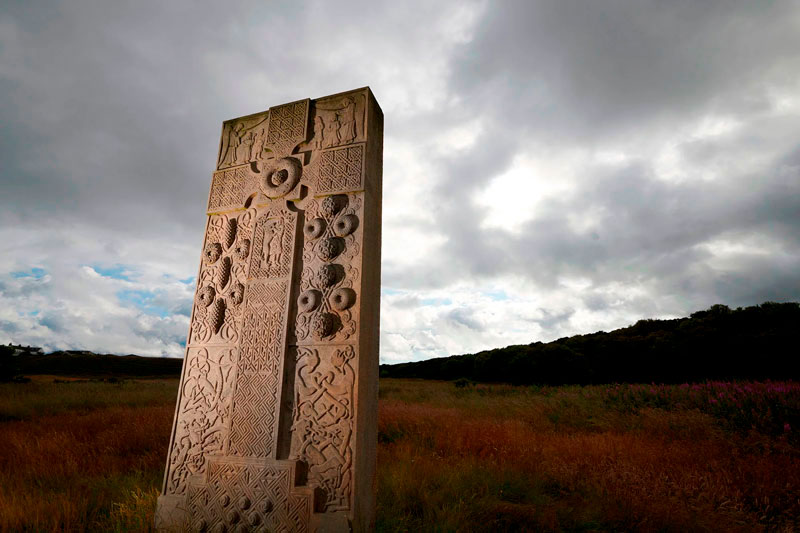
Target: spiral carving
(206, 295)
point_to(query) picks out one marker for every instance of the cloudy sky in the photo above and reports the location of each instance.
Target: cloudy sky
(551, 167)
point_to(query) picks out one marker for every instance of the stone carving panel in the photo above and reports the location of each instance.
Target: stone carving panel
(243, 140)
(323, 420)
(256, 398)
(287, 127)
(340, 170)
(338, 121)
(273, 246)
(220, 286)
(203, 414)
(239, 496)
(329, 275)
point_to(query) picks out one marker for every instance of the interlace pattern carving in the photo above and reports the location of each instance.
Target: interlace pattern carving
(203, 414)
(255, 401)
(322, 425)
(229, 189)
(340, 170)
(287, 127)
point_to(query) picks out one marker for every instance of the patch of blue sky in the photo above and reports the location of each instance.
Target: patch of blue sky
(497, 296)
(391, 292)
(116, 271)
(144, 301)
(35, 273)
(188, 281)
(436, 301)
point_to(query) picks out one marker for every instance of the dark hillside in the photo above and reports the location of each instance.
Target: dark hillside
(88, 364)
(758, 342)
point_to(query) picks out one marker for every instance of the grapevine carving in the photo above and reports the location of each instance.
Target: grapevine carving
(327, 294)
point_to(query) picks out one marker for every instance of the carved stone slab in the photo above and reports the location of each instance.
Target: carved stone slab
(276, 422)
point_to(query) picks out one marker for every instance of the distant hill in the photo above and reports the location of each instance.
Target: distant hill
(758, 342)
(88, 364)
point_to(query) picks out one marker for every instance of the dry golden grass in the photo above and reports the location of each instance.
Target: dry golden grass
(90, 456)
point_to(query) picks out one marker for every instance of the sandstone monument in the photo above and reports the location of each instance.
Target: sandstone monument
(275, 426)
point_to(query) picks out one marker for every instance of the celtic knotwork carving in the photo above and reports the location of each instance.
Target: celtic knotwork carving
(203, 411)
(340, 170)
(221, 282)
(322, 423)
(287, 127)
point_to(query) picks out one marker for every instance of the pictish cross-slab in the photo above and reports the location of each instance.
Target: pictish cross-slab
(276, 422)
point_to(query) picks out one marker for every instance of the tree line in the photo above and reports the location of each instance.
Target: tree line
(719, 343)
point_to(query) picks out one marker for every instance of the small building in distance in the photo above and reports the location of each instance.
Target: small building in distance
(18, 349)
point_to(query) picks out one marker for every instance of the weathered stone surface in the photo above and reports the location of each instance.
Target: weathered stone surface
(275, 426)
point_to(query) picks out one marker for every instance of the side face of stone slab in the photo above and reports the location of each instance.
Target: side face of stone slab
(276, 421)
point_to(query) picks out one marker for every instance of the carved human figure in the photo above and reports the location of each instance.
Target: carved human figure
(331, 132)
(250, 141)
(273, 249)
(234, 141)
(347, 121)
(319, 132)
(260, 140)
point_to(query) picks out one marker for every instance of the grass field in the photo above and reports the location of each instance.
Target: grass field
(89, 456)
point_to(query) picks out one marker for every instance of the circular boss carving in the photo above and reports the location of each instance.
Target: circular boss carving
(308, 300)
(345, 225)
(342, 298)
(282, 177)
(314, 228)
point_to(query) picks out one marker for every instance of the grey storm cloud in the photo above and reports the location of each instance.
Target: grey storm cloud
(660, 138)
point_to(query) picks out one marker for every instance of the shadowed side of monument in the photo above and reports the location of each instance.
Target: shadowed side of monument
(276, 423)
